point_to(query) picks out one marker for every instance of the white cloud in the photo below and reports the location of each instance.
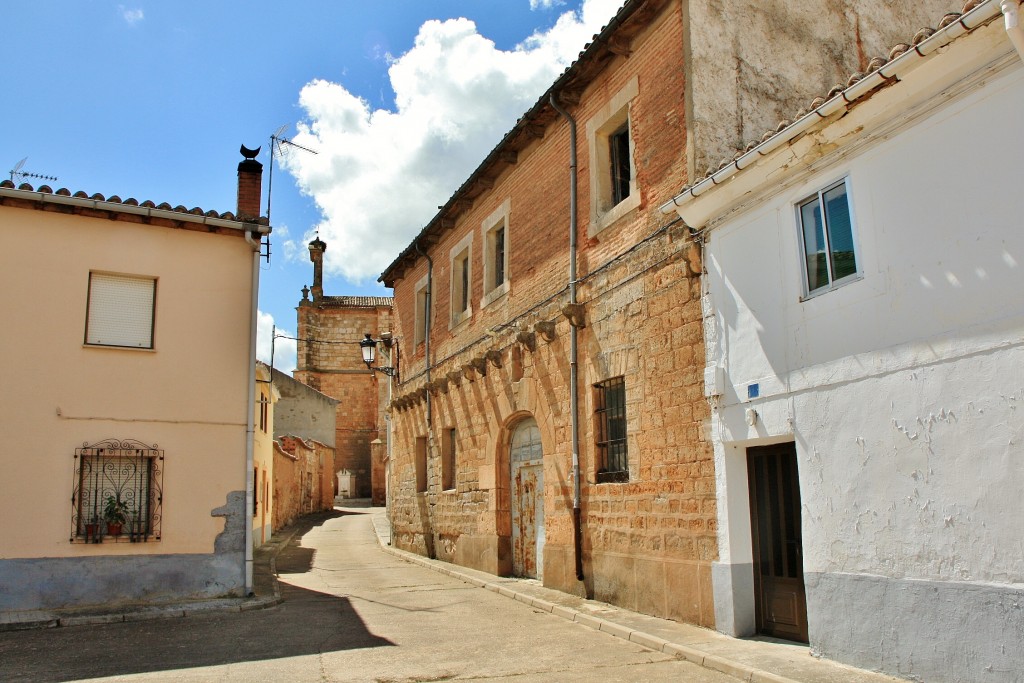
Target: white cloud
(132, 16)
(545, 4)
(379, 174)
(283, 349)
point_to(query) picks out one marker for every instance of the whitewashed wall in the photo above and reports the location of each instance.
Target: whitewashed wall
(903, 390)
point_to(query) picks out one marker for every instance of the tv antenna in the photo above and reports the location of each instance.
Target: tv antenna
(16, 172)
(280, 146)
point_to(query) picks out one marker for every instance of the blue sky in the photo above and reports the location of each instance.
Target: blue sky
(401, 99)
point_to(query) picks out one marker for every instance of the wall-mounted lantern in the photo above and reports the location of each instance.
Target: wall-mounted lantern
(368, 346)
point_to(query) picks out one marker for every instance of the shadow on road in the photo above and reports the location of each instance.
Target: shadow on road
(308, 622)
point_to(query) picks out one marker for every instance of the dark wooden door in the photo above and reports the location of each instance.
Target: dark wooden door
(778, 547)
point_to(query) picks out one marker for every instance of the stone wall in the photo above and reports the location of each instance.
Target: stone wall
(303, 479)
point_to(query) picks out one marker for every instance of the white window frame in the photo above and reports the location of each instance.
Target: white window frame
(499, 219)
(833, 284)
(120, 311)
(462, 250)
(600, 127)
(421, 301)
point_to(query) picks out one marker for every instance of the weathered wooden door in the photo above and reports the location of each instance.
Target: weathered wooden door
(527, 478)
(781, 603)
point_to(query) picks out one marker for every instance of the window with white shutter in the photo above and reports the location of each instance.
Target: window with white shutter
(120, 311)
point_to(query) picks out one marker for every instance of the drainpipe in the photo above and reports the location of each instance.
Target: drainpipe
(573, 347)
(426, 358)
(250, 425)
(1014, 31)
(426, 323)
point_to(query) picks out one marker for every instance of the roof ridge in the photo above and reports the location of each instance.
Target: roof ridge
(130, 201)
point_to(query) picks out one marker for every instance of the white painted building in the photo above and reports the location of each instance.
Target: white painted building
(866, 365)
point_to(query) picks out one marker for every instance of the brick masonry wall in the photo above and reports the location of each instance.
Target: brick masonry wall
(303, 479)
(337, 370)
(648, 544)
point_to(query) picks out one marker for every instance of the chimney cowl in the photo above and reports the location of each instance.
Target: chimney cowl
(250, 182)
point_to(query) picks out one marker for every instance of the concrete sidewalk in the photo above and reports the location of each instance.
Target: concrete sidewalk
(758, 660)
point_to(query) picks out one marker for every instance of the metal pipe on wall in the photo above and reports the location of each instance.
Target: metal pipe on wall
(573, 347)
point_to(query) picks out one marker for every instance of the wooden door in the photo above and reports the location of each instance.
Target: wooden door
(527, 475)
(781, 602)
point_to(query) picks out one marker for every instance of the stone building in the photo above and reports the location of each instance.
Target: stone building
(550, 420)
(328, 360)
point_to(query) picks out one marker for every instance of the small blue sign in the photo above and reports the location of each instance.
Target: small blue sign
(753, 390)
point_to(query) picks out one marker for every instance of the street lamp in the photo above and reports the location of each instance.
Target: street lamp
(368, 346)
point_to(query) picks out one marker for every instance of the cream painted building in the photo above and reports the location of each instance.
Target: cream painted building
(128, 397)
(864, 325)
(267, 396)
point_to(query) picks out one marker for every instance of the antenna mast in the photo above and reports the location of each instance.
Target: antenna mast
(16, 172)
(279, 147)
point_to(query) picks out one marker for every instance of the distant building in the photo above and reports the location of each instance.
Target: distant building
(128, 396)
(329, 331)
(267, 397)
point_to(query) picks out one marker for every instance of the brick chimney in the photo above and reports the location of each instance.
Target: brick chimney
(316, 254)
(250, 185)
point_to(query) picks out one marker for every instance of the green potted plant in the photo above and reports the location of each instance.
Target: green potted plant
(115, 514)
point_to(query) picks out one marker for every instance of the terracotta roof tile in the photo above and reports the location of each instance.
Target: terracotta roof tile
(114, 199)
(357, 301)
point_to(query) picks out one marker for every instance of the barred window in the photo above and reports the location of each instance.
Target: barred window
(610, 420)
(118, 493)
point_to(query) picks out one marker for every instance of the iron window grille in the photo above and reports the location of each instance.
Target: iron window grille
(126, 473)
(610, 414)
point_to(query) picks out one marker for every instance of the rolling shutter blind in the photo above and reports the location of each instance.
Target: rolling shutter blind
(120, 311)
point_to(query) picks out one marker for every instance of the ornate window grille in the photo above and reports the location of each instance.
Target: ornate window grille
(130, 473)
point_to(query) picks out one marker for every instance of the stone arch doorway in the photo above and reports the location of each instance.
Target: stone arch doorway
(526, 459)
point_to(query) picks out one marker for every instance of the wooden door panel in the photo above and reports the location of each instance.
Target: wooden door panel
(781, 602)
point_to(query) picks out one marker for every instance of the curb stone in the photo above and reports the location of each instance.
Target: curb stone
(738, 670)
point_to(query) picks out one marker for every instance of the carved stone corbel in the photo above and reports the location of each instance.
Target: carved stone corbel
(455, 376)
(546, 330)
(494, 357)
(469, 372)
(527, 339)
(480, 365)
(576, 315)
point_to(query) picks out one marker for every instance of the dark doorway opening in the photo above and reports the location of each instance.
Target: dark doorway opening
(780, 599)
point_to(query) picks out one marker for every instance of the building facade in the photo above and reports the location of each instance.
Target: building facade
(267, 397)
(128, 466)
(864, 326)
(329, 330)
(550, 418)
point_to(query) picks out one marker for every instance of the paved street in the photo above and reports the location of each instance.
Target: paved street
(351, 612)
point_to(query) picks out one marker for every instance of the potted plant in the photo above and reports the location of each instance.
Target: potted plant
(115, 514)
(92, 530)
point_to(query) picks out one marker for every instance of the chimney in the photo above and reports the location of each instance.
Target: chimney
(250, 185)
(316, 254)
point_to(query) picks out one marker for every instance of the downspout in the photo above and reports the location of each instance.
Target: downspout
(250, 420)
(577, 531)
(426, 358)
(1014, 31)
(426, 323)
